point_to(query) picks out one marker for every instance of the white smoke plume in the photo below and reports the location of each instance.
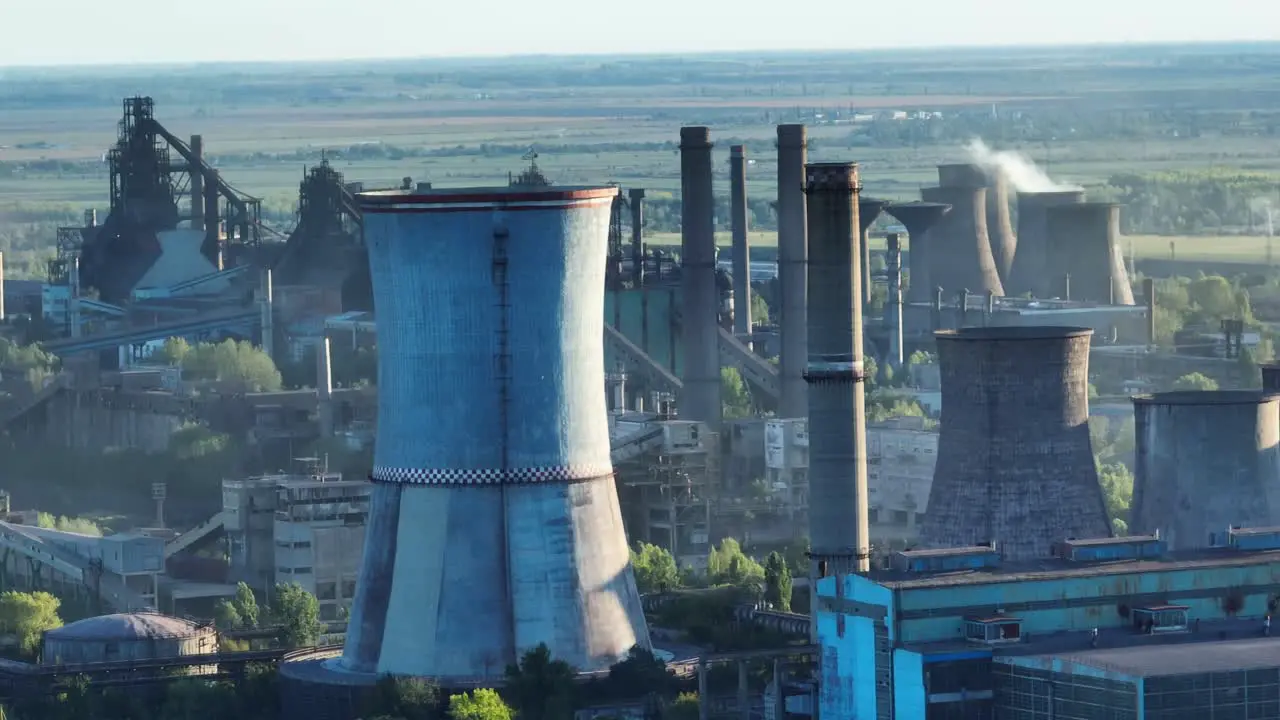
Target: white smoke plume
(1017, 169)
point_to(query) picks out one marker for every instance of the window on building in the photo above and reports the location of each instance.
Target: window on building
(995, 630)
(1160, 618)
(302, 571)
(348, 589)
(326, 590)
(900, 517)
(919, 519)
(873, 515)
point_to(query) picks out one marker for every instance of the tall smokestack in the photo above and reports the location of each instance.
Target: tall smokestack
(636, 196)
(1084, 242)
(1030, 273)
(960, 257)
(504, 530)
(701, 399)
(2, 315)
(324, 387)
(212, 246)
(893, 307)
(266, 307)
(920, 218)
(1015, 462)
(1205, 461)
(741, 249)
(837, 417)
(793, 257)
(868, 210)
(197, 182)
(1149, 294)
(999, 227)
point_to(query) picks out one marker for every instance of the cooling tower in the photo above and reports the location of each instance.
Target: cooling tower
(1004, 243)
(494, 523)
(701, 398)
(960, 257)
(837, 420)
(1015, 464)
(792, 271)
(1205, 461)
(1084, 241)
(919, 218)
(741, 249)
(868, 210)
(1029, 273)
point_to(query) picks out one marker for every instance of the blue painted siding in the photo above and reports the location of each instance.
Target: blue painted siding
(908, 686)
(847, 686)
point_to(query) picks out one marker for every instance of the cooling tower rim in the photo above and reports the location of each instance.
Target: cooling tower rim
(376, 199)
(1013, 333)
(1084, 207)
(1051, 195)
(1207, 397)
(695, 137)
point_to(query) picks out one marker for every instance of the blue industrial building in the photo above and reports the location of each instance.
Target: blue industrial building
(1115, 629)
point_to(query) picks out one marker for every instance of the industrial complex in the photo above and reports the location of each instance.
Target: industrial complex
(550, 391)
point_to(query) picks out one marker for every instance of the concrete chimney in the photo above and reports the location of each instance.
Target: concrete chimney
(893, 307)
(266, 305)
(2, 315)
(1084, 243)
(197, 182)
(868, 210)
(212, 223)
(837, 416)
(960, 254)
(636, 196)
(73, 303)
(91, 218)
(324, 387)
(741, 248)
(701, 401)
(919, 218)
(1030, 272)
(1149, 294)
(793, 254)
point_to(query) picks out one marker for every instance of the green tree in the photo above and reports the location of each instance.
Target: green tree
(298, 613)
(685, 707)
(231, 361)
(541, 687)
(655, 569)
(80, 526)
(402, 698)
(759, 309)
(481, 704)
(797, 555)
(1195, 381)
(728, 565)
(1117, 492)
(777, 582)
(641, 674)
(174, 351)
(240, 612)
(734, 397)
(27, 616)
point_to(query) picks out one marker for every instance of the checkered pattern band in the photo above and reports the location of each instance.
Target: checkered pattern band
(512, 476)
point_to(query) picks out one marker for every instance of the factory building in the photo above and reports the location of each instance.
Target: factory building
(1108, 628)
(127, 637)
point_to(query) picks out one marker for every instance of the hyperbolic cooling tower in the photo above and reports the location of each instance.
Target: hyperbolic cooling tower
(960, 257)
(1084, 241)
(869, 209)
(1205, 461)
(1030, 273)
(701, 398)
(792, 268)
(999, 227)
(837, 420)
(1015, 463)
(494, 523)
(919, 218)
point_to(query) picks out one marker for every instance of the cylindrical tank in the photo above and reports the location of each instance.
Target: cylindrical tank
(741, 249)
(494, 523)
(837, 424)
(1205, 461)
(960, 257)
(1029, 273)
(1084, 241)
(1015, 463)
(127, 637)
(999, 225)
(919, 218)
(869, 209)
(792, 271)
(701, 395)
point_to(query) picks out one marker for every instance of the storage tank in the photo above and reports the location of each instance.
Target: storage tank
(127, 637)
(494, 522)
(1205, 461)
(960, 257)
(1015, 462)
(1030, 273)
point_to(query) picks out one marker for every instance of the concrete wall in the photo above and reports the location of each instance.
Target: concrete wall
(57, 651)
(850, 609)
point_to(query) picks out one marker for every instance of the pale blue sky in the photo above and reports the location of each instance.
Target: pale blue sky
(37, 32)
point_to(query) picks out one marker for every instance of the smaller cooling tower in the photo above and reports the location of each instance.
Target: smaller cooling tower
(1004, 243)
(1205, 461)
(961, 256)
(1084, 242)
(868, 210)
(919, 218)
(1015, 463)
(1029, 273)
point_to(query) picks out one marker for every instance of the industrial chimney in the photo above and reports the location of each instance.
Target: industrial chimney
(1015, 463)
(636, 196)
(868, 210)
(793, 257)
(1205, 461)
(893, 305)
(999, 227)
(494, 522)
(1030, 273)
(919, 218)
(837, 419)
(700, 307)
(960, 253)
(1084, 242)
(741, 249)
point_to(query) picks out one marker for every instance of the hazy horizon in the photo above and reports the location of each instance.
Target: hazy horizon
(247, 31)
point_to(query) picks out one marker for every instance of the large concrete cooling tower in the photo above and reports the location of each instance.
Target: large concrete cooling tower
(793, 282)
(701, 398)
(999, 226)
(494, 523)
(919, 218)
(1084, 242)
(837, 420)
(1015, 464)
(1205, 461)
(1029, 273)
(869, 209)
(961, 253)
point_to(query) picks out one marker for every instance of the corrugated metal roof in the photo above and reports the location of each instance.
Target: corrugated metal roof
(126, 626)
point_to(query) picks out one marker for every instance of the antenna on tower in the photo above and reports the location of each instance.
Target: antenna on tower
(532, 176)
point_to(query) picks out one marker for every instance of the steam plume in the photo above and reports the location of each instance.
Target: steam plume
(1016, 168)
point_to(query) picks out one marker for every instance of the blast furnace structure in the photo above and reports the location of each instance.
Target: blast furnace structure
(494, 522)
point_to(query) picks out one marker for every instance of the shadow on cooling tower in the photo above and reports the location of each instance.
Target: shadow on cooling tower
(1004, 242)
(960, 253)
(1084, 252)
